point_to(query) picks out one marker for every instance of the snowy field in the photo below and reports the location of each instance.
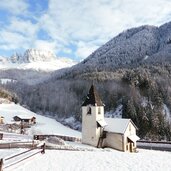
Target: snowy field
(111, 160)
(44, 125)
(92, 159)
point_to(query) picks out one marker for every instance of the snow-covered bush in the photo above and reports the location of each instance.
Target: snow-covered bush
(55, 140)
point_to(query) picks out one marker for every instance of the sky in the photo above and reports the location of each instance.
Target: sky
(73, 28)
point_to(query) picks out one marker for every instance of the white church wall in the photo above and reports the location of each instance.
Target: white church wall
(131, 130)
(114, 140)
(90, 132)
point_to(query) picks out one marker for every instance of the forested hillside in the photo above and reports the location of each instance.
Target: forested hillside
(132, 70)
(4, 94)
(144, 92)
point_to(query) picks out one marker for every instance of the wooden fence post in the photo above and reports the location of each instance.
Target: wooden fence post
(1, 164)
(1, 136)
(43, 148)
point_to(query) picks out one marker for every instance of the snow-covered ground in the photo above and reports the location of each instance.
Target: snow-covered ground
(44, 125)
(144, 160)
(40, 65)
(6, 80)
(91, 159)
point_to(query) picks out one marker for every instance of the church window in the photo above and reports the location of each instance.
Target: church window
(130, 127)
(99, 111)
(89, 111)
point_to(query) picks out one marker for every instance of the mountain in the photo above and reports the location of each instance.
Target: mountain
(131, 48)
(34, 55)
(36, 60)
(134, 46)
(132, 70)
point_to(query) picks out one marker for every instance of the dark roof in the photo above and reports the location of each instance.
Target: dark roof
(93, 98)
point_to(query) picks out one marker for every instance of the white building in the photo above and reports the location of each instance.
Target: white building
(98, 131)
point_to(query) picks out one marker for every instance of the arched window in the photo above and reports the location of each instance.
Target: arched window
(89, 111)
(130, 127)
(99, 111)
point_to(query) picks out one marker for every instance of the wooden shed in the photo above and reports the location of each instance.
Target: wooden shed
(25, 119)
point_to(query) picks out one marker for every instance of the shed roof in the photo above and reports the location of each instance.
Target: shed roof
(117, 125)
(93, 98)
(24, 116)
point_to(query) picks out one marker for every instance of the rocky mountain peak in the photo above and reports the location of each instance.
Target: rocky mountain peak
(34, 55)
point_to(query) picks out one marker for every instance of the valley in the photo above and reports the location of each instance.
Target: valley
(124, 76)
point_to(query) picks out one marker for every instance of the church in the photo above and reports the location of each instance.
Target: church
(98, 131)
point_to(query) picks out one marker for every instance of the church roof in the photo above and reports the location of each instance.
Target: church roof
(93, 98)
(117, 125)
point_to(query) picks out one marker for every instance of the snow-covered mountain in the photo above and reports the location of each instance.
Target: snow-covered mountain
(36, 60)
(134, 46)
(145, 44)
(34, 55)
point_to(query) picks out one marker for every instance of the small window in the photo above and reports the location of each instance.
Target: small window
(130, 127)
(89, 111)
(99, 111)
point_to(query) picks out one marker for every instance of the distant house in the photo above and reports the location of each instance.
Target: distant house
(1, 119)
(98, 131)
(25, 119)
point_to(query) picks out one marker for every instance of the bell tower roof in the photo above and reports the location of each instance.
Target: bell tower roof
(93, 98)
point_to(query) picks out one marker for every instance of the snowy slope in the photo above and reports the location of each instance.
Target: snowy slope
(144, 44)
(111, 160)
(39, 65)
(44, 125)
(94, 160)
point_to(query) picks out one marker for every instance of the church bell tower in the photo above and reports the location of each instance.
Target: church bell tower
(92, 118)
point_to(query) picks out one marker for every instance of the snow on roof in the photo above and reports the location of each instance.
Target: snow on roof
(25, 116)
(102, 123)
(116, 125)
(133, 138)
(46, 125)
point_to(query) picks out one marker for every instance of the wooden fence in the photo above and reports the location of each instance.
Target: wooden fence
(14, 136)
(23, 144)
(155, 145)
(65, 138)
(17, 158)
(1, 136)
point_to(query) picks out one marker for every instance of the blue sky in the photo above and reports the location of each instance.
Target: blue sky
(73, 28)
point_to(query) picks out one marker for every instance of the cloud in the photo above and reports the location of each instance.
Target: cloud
(11, 40)
(82, 26)
(14, 6)
(84, 49)
(99, 20)
(45, 45)
(19, 34)
(24, 27)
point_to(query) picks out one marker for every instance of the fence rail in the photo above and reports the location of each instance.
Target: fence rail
(13, 136)
(156, 142)
(17, 158)
(27, 144)
(155, 145)
(65, 138)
